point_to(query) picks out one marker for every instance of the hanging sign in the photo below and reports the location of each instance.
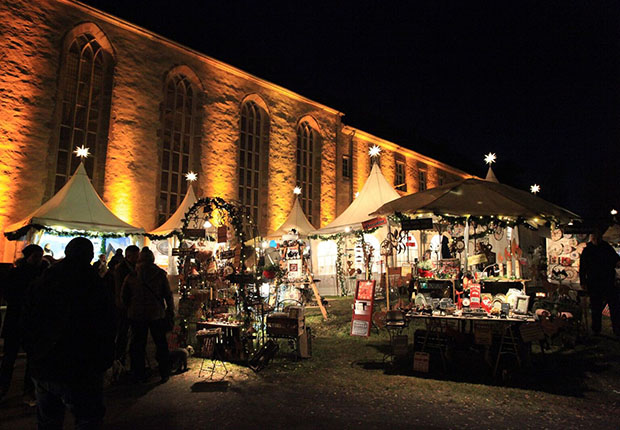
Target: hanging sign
(411, 241)
(417, 224)
(222, 234)
(362, 308)
(194, 232)
(374, 223)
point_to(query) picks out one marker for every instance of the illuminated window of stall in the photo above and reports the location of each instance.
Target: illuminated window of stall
(308, 169)
(85, 92)
(178, 135)
(253, 158)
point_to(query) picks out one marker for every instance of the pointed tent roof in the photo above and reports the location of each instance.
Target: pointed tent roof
(374, 194)
(175, 222)
(77, 206)
(297, 220)
(491, 176)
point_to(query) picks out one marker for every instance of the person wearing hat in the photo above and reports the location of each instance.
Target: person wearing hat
(21, 276)
(69, 338)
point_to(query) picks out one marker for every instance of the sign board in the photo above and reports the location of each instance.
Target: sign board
(194, 232)
(374, 223)
(362, 308)
(176, 252)
(228, 254)
(578, 229)
(222, 234)
(476, 259)
(417, 224)
(474, 296)
(294, 268)
(421, 361)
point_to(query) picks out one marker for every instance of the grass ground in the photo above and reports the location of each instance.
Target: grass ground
(346, 384)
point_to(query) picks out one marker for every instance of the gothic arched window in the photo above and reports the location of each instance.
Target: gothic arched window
(308, 170)
(85, 92)
(179, 124)
(253, 158)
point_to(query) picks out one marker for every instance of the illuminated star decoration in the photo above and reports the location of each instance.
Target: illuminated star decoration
(81, 152)
(191, 176)
(535, 188)
(490, 158)
(374, 151)
(614, 212)
(297, 191)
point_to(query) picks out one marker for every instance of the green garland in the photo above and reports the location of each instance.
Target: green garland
(17, 234)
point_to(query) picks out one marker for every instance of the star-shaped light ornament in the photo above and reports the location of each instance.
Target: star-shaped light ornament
(191, 176)
(297, 191)
(535, 189)
(490, 158)
(614, 212)
(82, 152)
(374, 151)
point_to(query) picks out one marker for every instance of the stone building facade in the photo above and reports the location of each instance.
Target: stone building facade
(150, 110)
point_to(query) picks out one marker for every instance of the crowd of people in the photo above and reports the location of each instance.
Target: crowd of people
(74, 319)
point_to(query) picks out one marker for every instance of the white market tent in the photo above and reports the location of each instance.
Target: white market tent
(296, 220)
(77, 206)
(375, 193)
(175, 222)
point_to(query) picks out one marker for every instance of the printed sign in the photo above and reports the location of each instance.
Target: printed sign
(373, 223)
(362, 308)
(483, 334)
(476, 259)
(176, 252)
(417, 224)
(194, 232)
(222, 234)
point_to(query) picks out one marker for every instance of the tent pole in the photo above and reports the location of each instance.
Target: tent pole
(466, 238)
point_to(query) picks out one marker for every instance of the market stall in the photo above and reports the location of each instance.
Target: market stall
(287, 270)
(75, 210)
(485, 284)
(166, 237)
(348, 248)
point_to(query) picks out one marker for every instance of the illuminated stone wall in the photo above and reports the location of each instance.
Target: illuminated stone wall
(30, 51)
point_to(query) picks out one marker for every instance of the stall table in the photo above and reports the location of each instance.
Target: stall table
(230, 341)
(437, 327)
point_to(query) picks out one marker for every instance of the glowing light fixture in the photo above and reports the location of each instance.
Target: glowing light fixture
(490, 158)
(374, 151)
(82, 152)
(191, 176)
(347, 230)
(265, 244)
(357, 194)
(208, 224)
(297, 191)
(614, 212)
(535, 188)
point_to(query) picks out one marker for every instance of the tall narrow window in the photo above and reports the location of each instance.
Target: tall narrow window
(421, 180)
(346, 166)
(399, 180)
(253, 141)
(307, 172)
(178, 122)
(85, 94)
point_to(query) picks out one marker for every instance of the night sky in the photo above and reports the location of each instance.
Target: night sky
(535, 82)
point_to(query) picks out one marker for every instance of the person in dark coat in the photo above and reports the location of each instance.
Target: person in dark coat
(19, 279)
(597, 275)
(122, 268)
(69, 338)
(147, 297)
(117, 258)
